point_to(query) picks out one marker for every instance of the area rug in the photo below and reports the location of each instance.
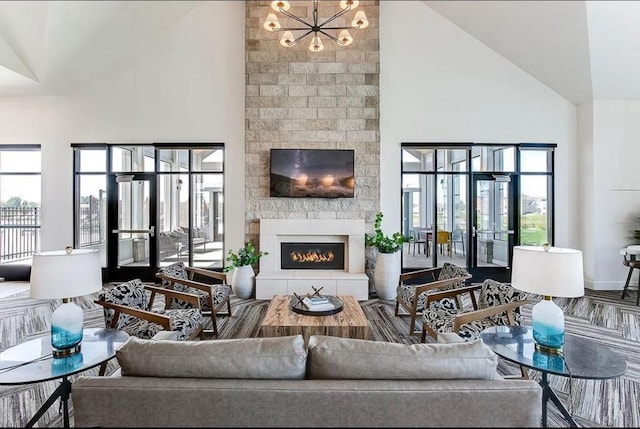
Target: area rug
(599, 316)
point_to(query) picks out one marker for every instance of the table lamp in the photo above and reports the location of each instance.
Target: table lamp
(64, 274)
(548, 271)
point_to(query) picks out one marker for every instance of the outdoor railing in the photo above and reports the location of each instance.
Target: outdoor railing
(19, 233)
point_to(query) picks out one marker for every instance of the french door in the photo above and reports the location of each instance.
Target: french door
(131, 226)
(493, 232)
(147, 206)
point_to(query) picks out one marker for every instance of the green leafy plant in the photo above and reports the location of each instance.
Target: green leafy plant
(382, 242)
(247, 255)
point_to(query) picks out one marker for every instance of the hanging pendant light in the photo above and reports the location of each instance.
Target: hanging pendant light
(360, 20)
(287, 39)
(316, 44)
(345, 38)
(272, 23)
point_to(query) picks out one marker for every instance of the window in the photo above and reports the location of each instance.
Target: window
(162, 196)
(488, 197)
(20, 203)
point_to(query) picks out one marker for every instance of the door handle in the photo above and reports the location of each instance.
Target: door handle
(151, 231)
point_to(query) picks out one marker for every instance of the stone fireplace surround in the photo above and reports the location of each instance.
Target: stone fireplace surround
(272, 280)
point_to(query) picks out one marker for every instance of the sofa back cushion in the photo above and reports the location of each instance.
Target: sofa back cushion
(247, 358)
(347, 358)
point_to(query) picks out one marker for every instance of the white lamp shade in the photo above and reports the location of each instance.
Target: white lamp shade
(554, 272)
(58, 274)
(287, 39)
(271, 23)
(360, 20)
(349, 3)
(277, 5)
(316, 44)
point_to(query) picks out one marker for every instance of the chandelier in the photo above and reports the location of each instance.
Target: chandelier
(288, 39)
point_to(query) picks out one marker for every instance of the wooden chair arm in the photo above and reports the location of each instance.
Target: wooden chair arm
(207, 273)
(194, 300)
(150, 316)
(190, 283)
(470, 316)
(418, 274)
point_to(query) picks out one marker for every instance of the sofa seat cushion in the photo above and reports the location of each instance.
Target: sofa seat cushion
(347, 358)
(245, 358)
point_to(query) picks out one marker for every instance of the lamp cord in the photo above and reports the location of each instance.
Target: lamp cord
(18, 365)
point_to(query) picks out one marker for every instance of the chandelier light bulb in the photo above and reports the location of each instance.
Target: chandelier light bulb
(345, 38)
(360, 20)
(287, 40)
(316, 44)
(277, 5)
(349, 3)
(271, 23)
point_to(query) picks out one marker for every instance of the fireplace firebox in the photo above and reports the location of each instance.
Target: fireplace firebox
(312, 256)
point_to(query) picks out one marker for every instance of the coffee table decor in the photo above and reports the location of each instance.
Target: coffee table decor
(316, 305)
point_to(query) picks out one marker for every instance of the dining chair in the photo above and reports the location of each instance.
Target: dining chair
(444, 239)
(414, 239)
(457, 236)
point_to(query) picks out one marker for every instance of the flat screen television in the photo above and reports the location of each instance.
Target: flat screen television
(311, 173)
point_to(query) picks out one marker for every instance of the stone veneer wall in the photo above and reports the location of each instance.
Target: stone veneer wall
(296, 98)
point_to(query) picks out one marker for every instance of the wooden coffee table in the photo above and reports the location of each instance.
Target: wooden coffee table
(281, 321)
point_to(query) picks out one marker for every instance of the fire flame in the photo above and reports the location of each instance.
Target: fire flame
(312, 256)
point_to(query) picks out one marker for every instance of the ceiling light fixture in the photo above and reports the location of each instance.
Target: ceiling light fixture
(288, 39)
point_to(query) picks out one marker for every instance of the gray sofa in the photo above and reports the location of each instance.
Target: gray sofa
(278, 382)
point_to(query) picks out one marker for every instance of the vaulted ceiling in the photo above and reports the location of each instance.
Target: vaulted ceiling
(582, 50)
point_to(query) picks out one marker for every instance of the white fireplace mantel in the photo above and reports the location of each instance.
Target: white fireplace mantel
(272, 280)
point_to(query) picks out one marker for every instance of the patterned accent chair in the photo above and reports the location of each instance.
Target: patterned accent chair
(499, 304)
(414, 286)
(127, 307)
(213, 297)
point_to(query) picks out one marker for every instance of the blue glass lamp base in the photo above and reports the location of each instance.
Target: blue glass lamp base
(548, 326)
(66, 329)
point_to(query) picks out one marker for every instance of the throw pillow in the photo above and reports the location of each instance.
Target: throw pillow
(247, 358)
(347, 358)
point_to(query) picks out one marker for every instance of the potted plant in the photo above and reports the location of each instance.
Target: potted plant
(242, 263)
(387, 269)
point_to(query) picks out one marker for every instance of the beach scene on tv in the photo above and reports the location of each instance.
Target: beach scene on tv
(312, 173)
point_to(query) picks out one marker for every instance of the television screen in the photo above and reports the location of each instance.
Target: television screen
(311, 173)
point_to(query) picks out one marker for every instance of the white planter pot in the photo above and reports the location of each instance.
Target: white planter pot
(386, 275)
(242, 281)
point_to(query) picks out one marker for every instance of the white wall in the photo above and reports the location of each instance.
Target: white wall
(439, 84)
(586, 201)
(187, 85)
(616, 188)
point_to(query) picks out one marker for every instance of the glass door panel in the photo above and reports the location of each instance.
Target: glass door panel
(173, 233)
(535, 222)
(493, 221)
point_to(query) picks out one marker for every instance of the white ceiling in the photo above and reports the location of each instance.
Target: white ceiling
(582, 50)
(51, 47)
